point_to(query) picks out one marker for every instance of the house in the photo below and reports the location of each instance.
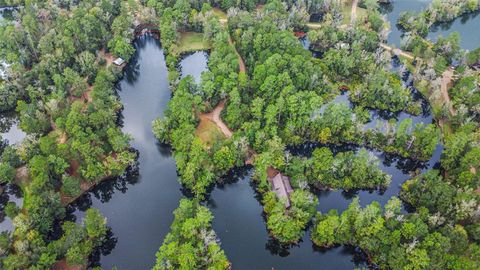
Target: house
(281, 186)
(119, 61)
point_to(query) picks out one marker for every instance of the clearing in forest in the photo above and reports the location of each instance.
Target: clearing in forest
(220, 13)
(192, 41)
(208, 131)
(211, 127)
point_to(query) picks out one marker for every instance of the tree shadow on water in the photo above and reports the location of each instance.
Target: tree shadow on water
(104, 249)
(105, 190)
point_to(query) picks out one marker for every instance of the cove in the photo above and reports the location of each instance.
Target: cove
(240, 225)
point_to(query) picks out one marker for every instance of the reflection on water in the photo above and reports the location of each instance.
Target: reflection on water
(466, 25)
(9, 129)
(10, 133)
(194, 64)
(401, 169)
(393, 11)
(8, 193)
(240, 225)
(139, 205)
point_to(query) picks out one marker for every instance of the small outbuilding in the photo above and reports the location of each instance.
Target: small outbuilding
(118, 62)
(281, 186)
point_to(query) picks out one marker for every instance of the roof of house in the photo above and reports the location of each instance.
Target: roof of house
(119, 61)
(281, 186)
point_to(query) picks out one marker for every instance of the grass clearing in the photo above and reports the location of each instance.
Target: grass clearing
(208, 132)
(220, 13)
(347, 12)
(191, 41)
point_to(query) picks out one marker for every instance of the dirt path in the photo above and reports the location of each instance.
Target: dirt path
(353, 15)
(241, 63)
(447, 77)
(397, 51)
(214, 116)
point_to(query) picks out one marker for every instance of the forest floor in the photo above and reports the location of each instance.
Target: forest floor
(63, 265)
(208, 131)
(109, 58)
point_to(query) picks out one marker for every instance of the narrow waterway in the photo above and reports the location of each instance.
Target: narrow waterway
(393, 11)
(240, 225)
(10, 134)
(139, 207)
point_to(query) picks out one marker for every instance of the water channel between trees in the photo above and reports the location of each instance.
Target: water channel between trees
(139, 205)
(466, 25)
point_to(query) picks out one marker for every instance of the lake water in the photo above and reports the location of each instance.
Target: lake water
(193, 64)
(467, 25)
(139, 205)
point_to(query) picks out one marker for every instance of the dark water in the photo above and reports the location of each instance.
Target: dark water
(467, 25)
(139, 207)
(399, 168)
(10, 132)
(241, 228)
(393, 12)
(11, 193)
(194, 64)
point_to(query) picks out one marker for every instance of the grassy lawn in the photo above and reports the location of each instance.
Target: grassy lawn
(192, 41)
(347, 11)
(220, 13)
(208, 132)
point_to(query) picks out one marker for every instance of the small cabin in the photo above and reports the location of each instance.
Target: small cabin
(118, 62)
(281, 186)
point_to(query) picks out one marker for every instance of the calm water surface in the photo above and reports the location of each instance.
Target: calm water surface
(139, 207)
(239, 223)
(10, 134)
(193, 64)
(467, 25)
(393, 12)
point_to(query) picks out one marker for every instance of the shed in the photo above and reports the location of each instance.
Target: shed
(281, 186)
(119, 61)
